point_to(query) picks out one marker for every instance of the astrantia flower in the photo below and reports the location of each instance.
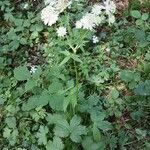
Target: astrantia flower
(61, 31)
(78, 24)
(88, 22)
(49, 15)
(95, 39)
(110, 7)
(111, 19)
(98, 19)
(62, 5)
(50, 2)
(97, 9)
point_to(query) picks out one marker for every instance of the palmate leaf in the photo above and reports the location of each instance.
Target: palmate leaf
(64, 129)
(21, 73)
(56, 144)
(76, 129)
(143, 88)
(42, 135)
(36, 101)
(89, 144)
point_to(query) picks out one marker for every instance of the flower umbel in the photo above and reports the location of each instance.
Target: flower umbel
(61, 31)
(33, 69)
(95, 39)
(49, 15)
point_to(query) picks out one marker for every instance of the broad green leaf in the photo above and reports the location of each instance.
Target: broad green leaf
(36, 101)
(30, 84)
(62, 129)
(114, 94)
(136, 14)
(145, 16)
(7, 132)
(55, 118)
(11, 122)
(104, 125)
(75, 121)
(42, 135)
(89, 144)
(66, 103)
(127, 76)
(55, 86)
(143, 88)
(21, 73)
(2, 100)
(56, 102)
(77, 132)
(96, 133)
(56, 144)
(76, 129)
(31, 104)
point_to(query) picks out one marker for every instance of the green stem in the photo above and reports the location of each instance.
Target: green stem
(76, 78)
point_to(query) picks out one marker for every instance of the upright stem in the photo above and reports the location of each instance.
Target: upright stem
(76, 72)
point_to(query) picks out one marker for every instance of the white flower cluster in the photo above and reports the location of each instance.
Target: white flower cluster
(50, 13)
(61, 31)
(93, 18)
(98, 13)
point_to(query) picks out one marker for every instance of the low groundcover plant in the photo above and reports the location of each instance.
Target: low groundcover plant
(74, 75)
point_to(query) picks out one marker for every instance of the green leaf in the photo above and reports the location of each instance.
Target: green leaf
(75, 58)
(114, 94)
(127, 76)
(56, 102)
(7, 132)
(66, 103)
(96, 133)
(42, 135)
(143, 88)
(89, 144)
(62, 129)
(21, 73)
(56, 144)
(11, 122)
(64, 61)
(36, 101)
(2, 100)
(136, 14)
(76, 129)
(145, 16)
(104, 125)
(55, 86)
(55, 118)
(147, 56)
(30, 84)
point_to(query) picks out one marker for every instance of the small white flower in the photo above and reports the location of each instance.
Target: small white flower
(61, 31)
(111, 19)
(26, 5)
(78, 24)
(97, 9)
(95, 39)
(110, 7)
(98, 19)
(33, 69)
(88, 21)
(49, 15)
(107, 49)
(50, 2)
